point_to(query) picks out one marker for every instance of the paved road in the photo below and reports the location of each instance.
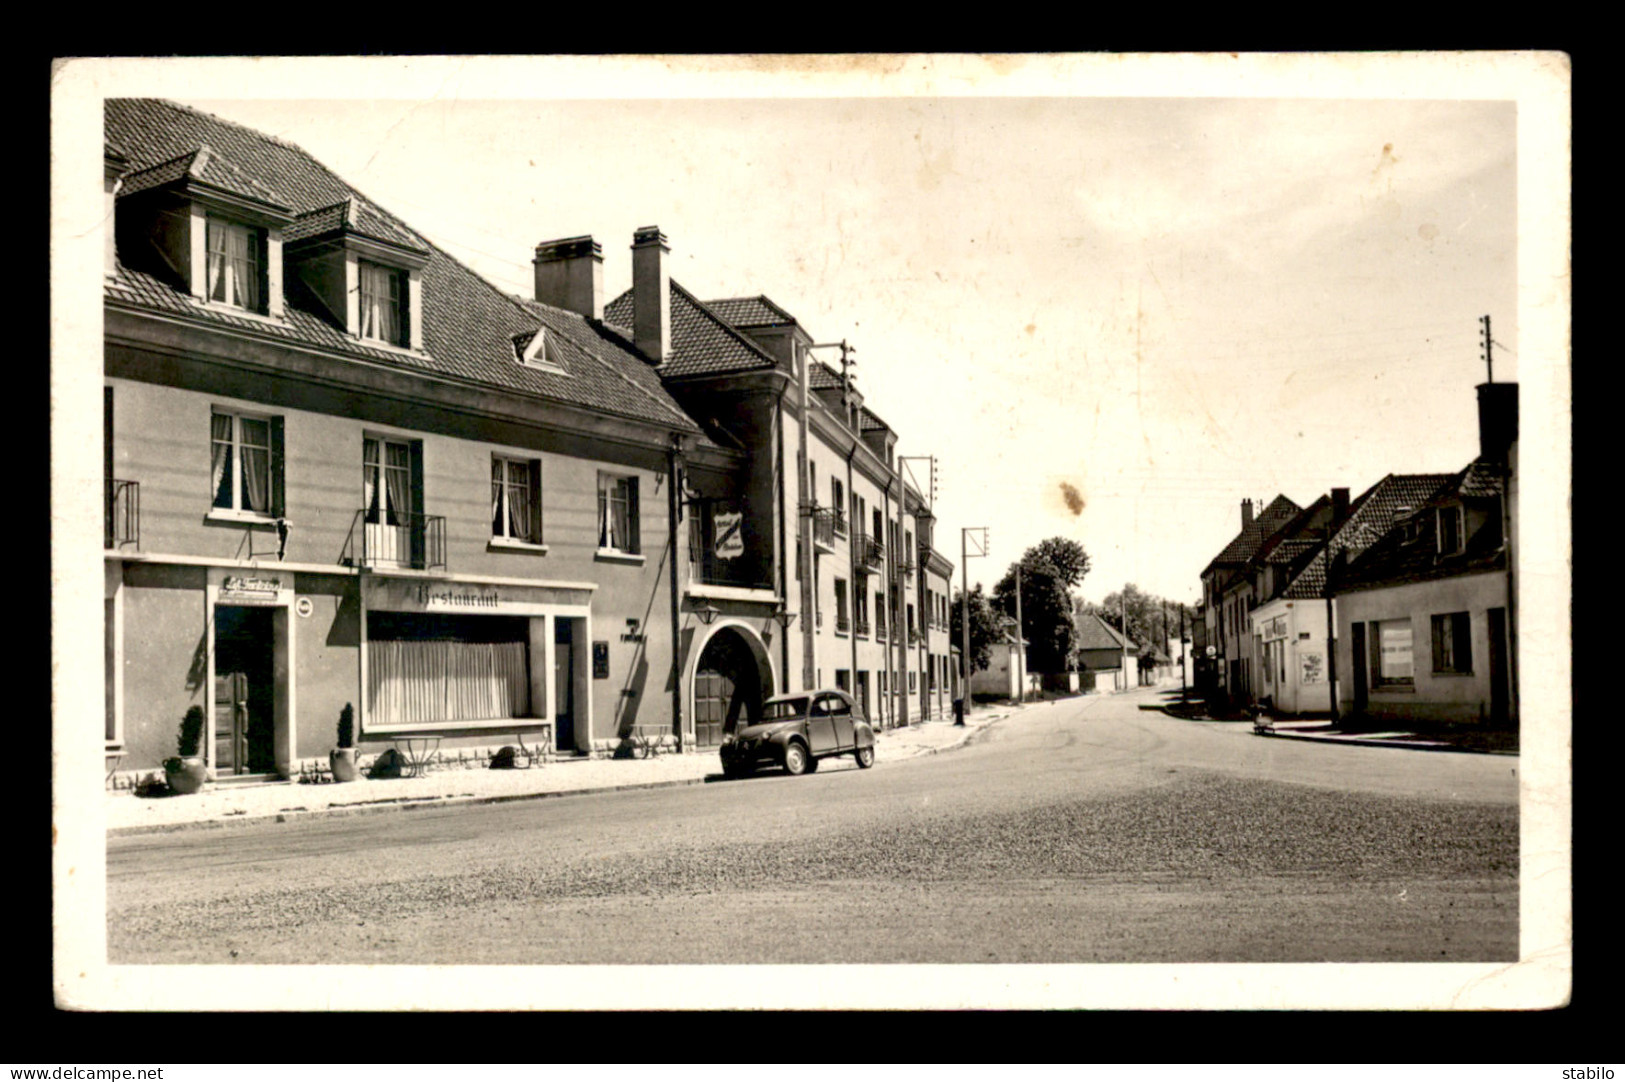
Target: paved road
(1080, 831)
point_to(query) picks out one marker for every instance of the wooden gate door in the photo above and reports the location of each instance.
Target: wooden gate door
(713, 693)
(1500, 690)
(1357, 662)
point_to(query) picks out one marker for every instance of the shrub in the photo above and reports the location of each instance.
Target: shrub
(190, 738)
(347, 726)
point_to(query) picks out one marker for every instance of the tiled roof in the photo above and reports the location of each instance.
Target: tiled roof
(871, 423)
(206, 165)
(1093, 633)
(1291, 550)
(468, 325)
(1480, 480)
(749, 312)
(823, 378)
(702, 343)
(1401, 555)
(1369, 518)
(1242, 547)
(354, 216)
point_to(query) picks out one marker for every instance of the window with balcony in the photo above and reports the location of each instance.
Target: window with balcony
(843, 622)
(516, 500)
(837, 504)
(618, 515)
(236, 265)
(396, 532)
(245, 465)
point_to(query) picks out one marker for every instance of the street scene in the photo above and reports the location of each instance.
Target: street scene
(864, 528)
(1090, 829)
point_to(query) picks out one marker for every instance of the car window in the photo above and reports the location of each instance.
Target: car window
(839, 706)
(821, 707)
(783, 710)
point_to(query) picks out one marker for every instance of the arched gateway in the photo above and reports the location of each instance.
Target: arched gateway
(731, 678)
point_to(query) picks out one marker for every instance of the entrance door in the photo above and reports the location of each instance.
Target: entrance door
(1500, 688)
(1358, 664)
(244, 690)
(564, 723)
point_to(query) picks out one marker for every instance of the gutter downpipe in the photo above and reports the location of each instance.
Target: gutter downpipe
(852, 573)
(674, 507)
(783, 561)
(806, 563)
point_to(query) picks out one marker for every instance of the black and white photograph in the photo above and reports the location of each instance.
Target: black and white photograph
(883, 531)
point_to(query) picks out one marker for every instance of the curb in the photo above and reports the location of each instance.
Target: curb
(413, 803)
(1379, 742)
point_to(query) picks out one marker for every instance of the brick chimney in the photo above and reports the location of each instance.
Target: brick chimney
(651, 293)
(1497, 420)
(1340, 506)
(570, 275)
(1246, 513)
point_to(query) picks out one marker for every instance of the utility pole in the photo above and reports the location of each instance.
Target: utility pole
(1021, 636)
(1331, 629)
(1182, 693)
(1489, 356)
(964, 622)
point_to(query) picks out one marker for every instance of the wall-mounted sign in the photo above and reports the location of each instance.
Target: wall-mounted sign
(730, 541)
(600, 660)
(250, 590)
(1275, 628)
(1312, 667)
(475, 598)
(304, 606)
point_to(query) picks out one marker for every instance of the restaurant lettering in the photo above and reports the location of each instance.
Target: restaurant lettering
(450, 597)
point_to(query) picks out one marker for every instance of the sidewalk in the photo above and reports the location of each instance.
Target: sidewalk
(1322, 729)
(221, 805)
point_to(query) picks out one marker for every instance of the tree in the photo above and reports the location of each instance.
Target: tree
(1152, 620)
(1049, 571)
(986, 628)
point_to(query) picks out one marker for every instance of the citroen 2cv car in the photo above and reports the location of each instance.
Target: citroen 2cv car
(796, 731)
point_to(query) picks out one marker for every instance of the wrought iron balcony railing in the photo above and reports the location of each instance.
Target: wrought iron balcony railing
(843, 624)
(867, 553)
(823, 530)
(840, 522)
(860, 627)
(880, 627)
(121, 515)
(396, 539)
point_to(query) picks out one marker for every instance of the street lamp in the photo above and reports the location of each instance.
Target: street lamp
(707, 612)
(783, 615)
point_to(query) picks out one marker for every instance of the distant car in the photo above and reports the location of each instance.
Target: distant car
(796, 731)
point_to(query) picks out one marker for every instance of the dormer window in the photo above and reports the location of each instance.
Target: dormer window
(383, 313)
(1449, 530)
(236, 265)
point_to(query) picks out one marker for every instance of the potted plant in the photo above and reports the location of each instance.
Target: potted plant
(342, 758)
(186, 772)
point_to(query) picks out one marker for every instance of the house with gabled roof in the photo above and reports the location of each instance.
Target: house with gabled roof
(1107, 659)
(1426, 611)
(1290, 618)
(1228, 598)
(344, 469)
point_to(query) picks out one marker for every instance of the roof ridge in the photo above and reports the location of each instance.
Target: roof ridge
(720, 322)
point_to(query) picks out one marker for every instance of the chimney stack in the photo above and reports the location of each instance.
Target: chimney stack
(1340, 505)
(1497, 420)
(651, 293)
(570, 275)
(1246, 513)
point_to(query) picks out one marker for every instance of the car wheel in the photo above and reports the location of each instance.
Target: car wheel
(795, 759)
(865, 757)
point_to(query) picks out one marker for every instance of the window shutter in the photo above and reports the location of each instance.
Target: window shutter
(404, 286)
(535, 501)
(1374, 646)
(279, 506)
(415, 523)
(633, 515)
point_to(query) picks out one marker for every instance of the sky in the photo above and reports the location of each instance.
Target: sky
(1170, 304)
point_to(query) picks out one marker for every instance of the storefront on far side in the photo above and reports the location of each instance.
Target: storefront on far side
(1291, 648)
